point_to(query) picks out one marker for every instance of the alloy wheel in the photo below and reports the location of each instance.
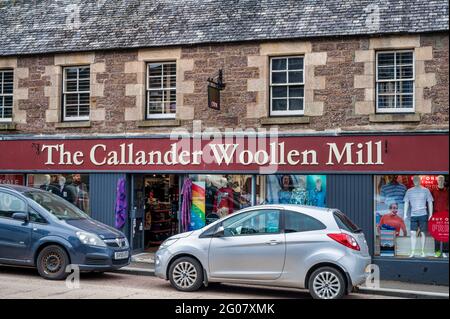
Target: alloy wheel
(326, 285)
(184, 274)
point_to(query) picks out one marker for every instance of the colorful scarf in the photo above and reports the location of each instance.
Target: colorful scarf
(121, 204)
(186, 204)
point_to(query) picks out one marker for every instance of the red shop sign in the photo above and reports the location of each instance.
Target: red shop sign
(438, 226)
(11, 179)
(264, 155)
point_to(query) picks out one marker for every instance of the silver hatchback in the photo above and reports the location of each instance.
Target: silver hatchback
(273, 245)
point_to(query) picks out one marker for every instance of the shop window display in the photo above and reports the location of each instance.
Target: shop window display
(72, 187)
(406, 208)
(216, 196)
(292, 189)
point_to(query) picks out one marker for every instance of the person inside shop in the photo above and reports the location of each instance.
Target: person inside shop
(420, 200)
(391, 220)
(317, 195)
(80, 193)
(441, 203)
(285, 193)
(54, 185)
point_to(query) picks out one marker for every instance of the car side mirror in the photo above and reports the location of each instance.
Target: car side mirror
(220, 232)
(20, 216)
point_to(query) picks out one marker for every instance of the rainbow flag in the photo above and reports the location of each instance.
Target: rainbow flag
(198, 206)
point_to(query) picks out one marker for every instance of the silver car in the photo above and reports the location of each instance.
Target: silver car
(272, 245)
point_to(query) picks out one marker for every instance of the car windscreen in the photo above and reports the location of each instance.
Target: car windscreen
(55, 205)
(345, 223)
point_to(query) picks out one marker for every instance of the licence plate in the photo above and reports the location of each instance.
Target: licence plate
(121, 255)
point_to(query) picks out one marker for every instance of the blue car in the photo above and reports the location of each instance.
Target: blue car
(42, 230)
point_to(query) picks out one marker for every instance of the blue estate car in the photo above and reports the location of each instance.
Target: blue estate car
(42, 230)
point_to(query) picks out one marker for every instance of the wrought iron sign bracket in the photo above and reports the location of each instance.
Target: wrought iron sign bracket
(217, 81)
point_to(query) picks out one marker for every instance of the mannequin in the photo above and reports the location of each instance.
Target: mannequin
(46, 184)
(419, 199)
(441, 203)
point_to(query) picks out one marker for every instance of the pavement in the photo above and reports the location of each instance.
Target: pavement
(25, 283)
(143, 265)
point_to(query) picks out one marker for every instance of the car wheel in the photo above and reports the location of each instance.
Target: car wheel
(186, 274)
(52, 262)
(326, 283)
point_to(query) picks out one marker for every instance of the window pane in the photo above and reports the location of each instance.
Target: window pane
(295, 104)
(404, 101)
(253, 223)
(169, 81)
(386, 73)
(84, 85)
(10, 205)
(296, 91)
(279, 77)
(84, 110)
(279, 105)
(155, 83)
(8, 88)
(84, 72)
(71, 99)
(71, 73)
(386, 101)
(170, 69)
(74, 188)
(71, 110)
(279, 91)
(170, 107)
(405, 87)
(154, 108)
(404, 72)
(404, 58)
(8, 101)
(156, 96)
(7, 112)
(296, 77)
(278, 64)
(386, 87)
(297, 222)
(296, 64)
(386, 59)
(84, 98)
(155, 69)
(8, 76)
(71, 86)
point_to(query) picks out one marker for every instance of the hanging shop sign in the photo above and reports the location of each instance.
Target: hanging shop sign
(263, 155)
(215, 85)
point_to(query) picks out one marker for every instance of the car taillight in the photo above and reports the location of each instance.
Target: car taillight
(345, 240)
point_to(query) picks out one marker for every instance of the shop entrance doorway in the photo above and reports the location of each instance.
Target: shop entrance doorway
(155, 210)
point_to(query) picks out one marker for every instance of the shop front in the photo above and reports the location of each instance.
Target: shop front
(394, 186)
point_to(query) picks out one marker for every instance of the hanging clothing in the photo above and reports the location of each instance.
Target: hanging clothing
(186, 204)
(440, 197)
(299, 196)
(121, 204)
(223, 202)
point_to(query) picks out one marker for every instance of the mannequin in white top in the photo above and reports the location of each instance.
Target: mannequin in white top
(422, 202)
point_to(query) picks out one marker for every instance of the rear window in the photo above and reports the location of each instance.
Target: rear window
(298, 222)
(345, 223)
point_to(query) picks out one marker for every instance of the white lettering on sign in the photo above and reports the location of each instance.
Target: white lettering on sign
(126, 154)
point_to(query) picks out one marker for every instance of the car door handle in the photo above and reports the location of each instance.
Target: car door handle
(273, 242)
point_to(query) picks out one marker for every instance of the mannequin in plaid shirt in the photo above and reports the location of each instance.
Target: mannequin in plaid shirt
(80, 192)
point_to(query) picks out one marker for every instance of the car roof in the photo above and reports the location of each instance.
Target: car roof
(17, 188)
(294, 207)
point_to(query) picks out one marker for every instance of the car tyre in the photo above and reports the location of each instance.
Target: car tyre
(326, 283)
(186, 274)
(52, 262)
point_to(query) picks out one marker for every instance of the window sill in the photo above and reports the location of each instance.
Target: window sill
(80, 124)
(285, 120)
(389, 118)
(7, 126)
(159, 123)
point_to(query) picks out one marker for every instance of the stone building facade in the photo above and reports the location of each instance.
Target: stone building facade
(339, 86)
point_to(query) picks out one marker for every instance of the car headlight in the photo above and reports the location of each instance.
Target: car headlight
(168, 242)
(90, 239)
